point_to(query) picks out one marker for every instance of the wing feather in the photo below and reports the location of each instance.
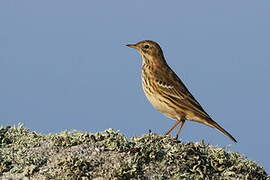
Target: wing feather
(172, 86)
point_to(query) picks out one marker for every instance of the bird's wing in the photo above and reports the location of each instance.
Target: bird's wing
(172, 86)
(174, 89)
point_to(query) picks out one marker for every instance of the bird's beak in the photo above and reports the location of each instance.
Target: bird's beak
(132, 46)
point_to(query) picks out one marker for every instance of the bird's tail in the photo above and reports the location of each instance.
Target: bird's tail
(213, 124)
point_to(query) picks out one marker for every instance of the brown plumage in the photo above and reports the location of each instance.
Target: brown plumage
(167, 93)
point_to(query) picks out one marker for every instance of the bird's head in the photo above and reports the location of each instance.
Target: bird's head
(149, 50)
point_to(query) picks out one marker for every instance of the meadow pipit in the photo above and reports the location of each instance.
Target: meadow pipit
(167, 93)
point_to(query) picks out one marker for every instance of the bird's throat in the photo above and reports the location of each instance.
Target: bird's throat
(154, 62)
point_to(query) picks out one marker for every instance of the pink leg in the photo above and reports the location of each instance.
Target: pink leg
(180, 128)
(170, 130)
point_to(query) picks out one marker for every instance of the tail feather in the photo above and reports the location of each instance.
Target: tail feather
(213, 124)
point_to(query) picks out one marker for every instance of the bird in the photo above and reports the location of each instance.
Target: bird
(167, 92)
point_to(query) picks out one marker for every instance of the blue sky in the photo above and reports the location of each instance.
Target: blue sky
(64, 65)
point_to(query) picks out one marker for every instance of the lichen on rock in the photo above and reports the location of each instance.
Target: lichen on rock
(110, 155)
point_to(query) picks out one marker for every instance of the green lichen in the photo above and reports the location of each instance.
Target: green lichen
(109, 155)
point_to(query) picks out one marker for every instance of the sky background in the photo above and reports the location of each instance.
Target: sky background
(64, 65)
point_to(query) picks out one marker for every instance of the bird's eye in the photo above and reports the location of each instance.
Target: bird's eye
(146, 46)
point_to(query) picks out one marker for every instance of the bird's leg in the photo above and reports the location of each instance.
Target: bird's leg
(180, 128)
(170, 130)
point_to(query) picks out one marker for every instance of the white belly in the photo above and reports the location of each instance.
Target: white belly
(158, 102)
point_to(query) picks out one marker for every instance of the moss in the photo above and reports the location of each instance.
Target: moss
(109, 155)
